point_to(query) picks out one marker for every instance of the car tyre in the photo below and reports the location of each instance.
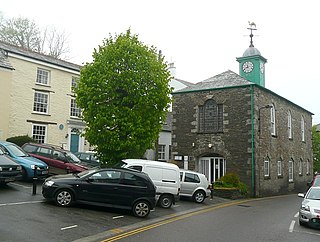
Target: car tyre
(165, 201)
(64, 198)
(199, 196)
(141, 209)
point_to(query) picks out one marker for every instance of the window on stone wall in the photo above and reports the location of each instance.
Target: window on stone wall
(300, 167)
(290, 166)
(161, 152)
(74, 110)
(210, 119)
(279, 166)
(302, 129)
(289, 125)
(273, 120)
(308, 167)
(266, 168)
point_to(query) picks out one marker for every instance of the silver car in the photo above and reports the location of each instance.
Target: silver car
(309, 213)
(195, 185)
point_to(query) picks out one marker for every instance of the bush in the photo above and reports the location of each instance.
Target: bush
(20, 140)
(231, 179)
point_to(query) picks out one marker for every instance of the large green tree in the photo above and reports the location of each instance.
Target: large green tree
(316, 148)
(124, 95)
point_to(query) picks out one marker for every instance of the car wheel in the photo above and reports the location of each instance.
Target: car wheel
(141, 209)
(64, 198)
(199, 196)
(165, 201)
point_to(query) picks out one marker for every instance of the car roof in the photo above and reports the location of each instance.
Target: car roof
(56, 147)
(150, 162)
(6, 142)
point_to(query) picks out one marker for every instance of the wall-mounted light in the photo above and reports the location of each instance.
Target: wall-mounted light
(67, 135)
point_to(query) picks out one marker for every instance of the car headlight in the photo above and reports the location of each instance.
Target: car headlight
(33, 167)
(305, 207)
(19, 168)
(49, 183)
(0, 168)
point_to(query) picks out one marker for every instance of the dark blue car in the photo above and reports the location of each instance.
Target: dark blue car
(28, 163)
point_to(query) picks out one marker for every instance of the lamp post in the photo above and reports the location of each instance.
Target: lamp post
(259, 117)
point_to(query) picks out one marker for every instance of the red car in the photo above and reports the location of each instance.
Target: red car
(60, 161)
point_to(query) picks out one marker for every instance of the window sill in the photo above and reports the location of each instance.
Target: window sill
(280, 176)
(267, 178)
(44, 114)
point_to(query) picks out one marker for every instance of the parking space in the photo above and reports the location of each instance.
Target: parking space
(29, 218)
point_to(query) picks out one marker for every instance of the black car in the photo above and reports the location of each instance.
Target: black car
(112, 187)
(9, 169)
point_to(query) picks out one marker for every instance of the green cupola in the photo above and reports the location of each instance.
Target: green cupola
(252, 63)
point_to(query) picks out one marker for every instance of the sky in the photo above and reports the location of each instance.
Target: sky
(202, 38)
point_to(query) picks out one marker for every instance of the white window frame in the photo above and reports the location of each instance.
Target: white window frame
(290, 167)
(279, 167)
(289, 125)
(75, 112)
(308, 167)
(40, 103)
(273, 120)
(161, 152)
(300, 166)
(266, 168)
(302, 129)
(41, 135)
(43, 77)
(74, 82)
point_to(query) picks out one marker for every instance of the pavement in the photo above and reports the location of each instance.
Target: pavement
(184, 209)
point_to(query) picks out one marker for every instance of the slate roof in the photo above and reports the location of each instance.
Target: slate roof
(225, 79)
(37, 56)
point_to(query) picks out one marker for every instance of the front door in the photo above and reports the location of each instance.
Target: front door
(74, 143)
(212, 167)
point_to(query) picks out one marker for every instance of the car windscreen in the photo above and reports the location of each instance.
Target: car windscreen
(314, 194)
(72, 157)
(16, 150)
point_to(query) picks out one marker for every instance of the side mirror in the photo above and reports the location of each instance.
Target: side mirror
(301, 195)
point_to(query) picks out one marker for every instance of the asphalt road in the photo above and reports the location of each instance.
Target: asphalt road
(26, 217)
(271, 219)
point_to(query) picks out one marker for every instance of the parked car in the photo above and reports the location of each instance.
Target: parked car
(114, 187)
(60, 161)
(315, 181)
(9, 170)
(309, 212)
(28, 163)
(88, 159)
(163, 174)
(194, 185)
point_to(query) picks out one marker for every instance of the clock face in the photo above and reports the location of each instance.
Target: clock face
(247, 66)
(262, 67)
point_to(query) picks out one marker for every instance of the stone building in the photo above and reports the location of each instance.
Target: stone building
(232, 123)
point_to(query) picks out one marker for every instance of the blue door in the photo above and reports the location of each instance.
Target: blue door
(74, 145)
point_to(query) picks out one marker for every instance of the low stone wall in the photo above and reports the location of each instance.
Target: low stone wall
(230, 193)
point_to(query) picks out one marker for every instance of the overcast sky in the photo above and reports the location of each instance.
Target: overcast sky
(203, 37)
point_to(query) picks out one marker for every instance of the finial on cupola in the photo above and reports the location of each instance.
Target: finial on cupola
(252, 27)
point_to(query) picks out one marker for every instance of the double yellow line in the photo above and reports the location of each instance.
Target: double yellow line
(167, 221)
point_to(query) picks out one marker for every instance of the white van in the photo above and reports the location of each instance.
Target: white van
(165, 176)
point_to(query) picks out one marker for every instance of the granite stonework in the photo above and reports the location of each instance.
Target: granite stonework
(240, 142)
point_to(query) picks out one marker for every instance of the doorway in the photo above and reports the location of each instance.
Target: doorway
(212, 167)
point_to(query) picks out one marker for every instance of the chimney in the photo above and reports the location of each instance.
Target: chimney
(172, 70)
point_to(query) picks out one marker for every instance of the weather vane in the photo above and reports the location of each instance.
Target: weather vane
(252, 27)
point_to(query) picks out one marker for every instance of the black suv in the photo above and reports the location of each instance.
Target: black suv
(9, 169)
(113, 187)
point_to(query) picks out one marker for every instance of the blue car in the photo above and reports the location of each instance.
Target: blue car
(27, 162)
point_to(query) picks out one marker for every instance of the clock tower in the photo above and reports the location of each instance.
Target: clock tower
(252, 63)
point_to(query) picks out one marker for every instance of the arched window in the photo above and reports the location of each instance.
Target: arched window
(302, 129)
(290, 166)
(289, 125)
(273, 120)
(210, 117)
